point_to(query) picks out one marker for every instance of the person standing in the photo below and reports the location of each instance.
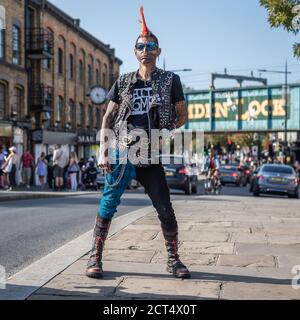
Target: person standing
(49, 159)
(73, 170)
(41, 169)
(28, 164)
(10, 168)
(59, 165)
(146, 99)
(2, 162)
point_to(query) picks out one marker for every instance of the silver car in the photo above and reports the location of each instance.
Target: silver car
(276, 179)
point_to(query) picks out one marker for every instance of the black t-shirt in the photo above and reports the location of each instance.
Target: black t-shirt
(142, 97)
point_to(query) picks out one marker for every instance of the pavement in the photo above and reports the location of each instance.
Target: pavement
(35, 193)
(235, 247)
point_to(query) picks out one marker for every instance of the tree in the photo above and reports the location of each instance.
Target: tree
(286, 14)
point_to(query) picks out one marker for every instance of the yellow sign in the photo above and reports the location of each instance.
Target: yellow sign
(256, 109)
(5, 130)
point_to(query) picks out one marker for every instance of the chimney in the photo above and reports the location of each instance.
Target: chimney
(77, 22)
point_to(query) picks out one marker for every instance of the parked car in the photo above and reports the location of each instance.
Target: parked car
(276, 179)
(230, 174)
(180, 174)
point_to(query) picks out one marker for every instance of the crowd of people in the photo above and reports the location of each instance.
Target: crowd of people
(56, 170)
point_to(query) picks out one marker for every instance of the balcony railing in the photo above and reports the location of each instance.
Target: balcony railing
(41, 98)
(39, 43)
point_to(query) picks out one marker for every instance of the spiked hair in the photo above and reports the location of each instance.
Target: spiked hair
(145, 32)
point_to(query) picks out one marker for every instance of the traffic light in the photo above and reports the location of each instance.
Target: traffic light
(229, 146)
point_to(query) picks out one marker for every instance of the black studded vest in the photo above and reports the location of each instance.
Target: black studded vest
(161, 83)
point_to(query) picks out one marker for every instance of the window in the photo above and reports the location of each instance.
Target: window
(80, 116)
(91, 117)
(16, 45)
(59, 109)
(104, 79)
(60, 61)
(71, 67)
(47, 64)
(81, 72)
(18, 103)
(2, 43)
(97, 77)
(2, 100)
(71, 113)
(98, 118)
(90, 75)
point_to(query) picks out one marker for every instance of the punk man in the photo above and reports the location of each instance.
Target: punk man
(145, 99)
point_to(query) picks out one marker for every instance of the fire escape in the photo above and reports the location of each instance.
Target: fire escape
(39, 46)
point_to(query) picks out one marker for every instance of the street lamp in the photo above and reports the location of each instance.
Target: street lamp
(286, 96)
(181, 70)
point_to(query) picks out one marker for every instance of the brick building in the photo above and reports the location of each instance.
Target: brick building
(48, 64)
(15, 122)
(64, 63)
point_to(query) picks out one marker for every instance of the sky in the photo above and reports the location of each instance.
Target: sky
(203, 35)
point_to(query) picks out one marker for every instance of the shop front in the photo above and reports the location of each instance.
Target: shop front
(44, 140)
(6, 135)
(87, 146)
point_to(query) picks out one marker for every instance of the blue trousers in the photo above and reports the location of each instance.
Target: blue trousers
(152, 179)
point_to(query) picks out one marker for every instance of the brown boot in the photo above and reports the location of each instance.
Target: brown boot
(174, 265)
(94, 265)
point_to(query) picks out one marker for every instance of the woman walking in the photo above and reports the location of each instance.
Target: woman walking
(73, 170)
(9, 168)
(42, 169)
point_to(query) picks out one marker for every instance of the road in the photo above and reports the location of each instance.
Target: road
(30, 229)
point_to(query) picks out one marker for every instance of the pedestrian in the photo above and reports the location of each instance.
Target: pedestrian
(59, 165)
(27, 163)
(81, 163)
(10, 168)
(41, 169)
(73, 170)
(49, 159)
(2, 162)
(135, 96)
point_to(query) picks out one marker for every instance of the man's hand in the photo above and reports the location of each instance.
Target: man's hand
(182, 113)
(104, 164)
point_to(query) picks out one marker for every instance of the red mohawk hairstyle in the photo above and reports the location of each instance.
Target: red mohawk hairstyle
(145, 31)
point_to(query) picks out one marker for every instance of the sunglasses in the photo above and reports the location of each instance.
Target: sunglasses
(150, 45)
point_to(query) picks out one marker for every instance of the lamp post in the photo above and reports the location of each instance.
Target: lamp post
(285, 95)
(181, 70)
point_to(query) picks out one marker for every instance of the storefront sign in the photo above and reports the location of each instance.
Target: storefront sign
(5, 130)
(86, 139)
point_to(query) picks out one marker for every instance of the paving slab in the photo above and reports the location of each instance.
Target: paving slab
(149, 288)
(258, 291)
(246, 261)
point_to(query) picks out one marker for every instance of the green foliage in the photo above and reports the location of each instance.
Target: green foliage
(281, 15)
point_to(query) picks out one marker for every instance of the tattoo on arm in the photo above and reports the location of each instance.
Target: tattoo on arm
(107, 123)
(182, 113)
(110, 114)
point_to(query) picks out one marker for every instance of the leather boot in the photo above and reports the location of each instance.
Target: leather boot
(174, 265)
(94, 265)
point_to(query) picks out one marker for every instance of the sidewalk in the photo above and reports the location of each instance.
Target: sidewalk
(235, 247)
(36, 193)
